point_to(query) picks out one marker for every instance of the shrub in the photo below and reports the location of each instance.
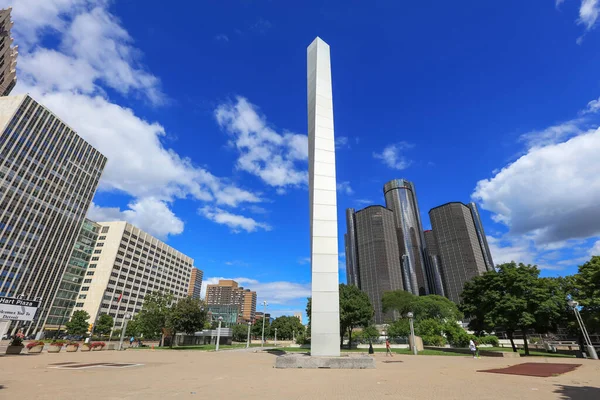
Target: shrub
(17, 340)
(491, 339)
(71, 343)
(57, 343)
(31, 345)
(98, 344)
(302, 339)
(456, 335)
(434, 340)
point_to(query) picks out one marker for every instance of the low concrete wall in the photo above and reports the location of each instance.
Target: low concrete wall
(483, 353)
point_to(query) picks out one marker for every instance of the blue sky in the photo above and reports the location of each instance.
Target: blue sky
(201, 110)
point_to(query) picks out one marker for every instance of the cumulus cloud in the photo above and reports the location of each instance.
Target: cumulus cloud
(149, 214)
(550, 193)
(275, 293)
(595, 250)
(553, 134)
(236, 222)
(344, 187)
(588, 13)
(92, 51)
(279, 159)
(392, 155)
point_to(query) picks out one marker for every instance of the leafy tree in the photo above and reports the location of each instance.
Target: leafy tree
(240, 332)
(258, 326)
(586, 291)
(78, 325)
(187, 316)
(514, 298)
(370, 333)
(398, 300)
(423, 307)
(133, 328)
(104, 324)
(154, 315)
(355, 310)
(399, 328)
(286, 326)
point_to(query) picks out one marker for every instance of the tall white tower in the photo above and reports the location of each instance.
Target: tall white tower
(325, 313)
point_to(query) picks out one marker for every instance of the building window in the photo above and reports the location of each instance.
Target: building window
(85, 288)
(79, 305)
(87, 281)
(100, 244)
(97, 251)
(102, 238)
(90, 273)
(93, 265)
(105, 229)
(95, 258)
(82, 296)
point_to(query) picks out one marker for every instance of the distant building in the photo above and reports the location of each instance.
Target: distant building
(377, 255)
(195, 286)
(487, 254)
(298, 315)
(126, 265)
(229, 312)
(352, 272)
(8, 54)
(48, 177)
(459, 246)
(259, 317)
(73, 278)
(434, 270)
(227, 292)
(401, 198)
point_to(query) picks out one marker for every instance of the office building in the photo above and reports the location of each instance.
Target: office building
(195, 285)
(401, 198)
(72, 279)
(458, 246)
(352, 273)
(128, 263)
(8, 54)
(487, 255)
(228, 292)
(434, 265)
(48, 176)
(259, 316)
(229, 312)
(378, 256)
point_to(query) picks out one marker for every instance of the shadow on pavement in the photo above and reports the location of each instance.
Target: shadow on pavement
(577, 392)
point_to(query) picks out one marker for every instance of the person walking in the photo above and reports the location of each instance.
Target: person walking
(388, 350)
(131, 340)
(473, 348)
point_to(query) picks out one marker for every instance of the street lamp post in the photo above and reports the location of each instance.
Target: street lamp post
(275, 337)
(126, 319)
(219, 333)
(410, 316)
(248, 340)
(588, 342)
(262, 343)
(293, 336)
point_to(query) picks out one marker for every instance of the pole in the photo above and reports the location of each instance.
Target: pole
(590, 348)
(123, 327)
(412, 335)
(262, 343)
(248, 340)
(293, 336)
(275, 337)
(219, 333)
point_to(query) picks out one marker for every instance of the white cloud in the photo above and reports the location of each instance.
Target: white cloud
(277, 158)
(592, 107)
(559, 2)
(588, 13)
(222, 37)
(275, 293)
(148, 214)
(304, 260)
(364, 202)
(553, 134)
(551, 192)
(392, 155)
(344, 187)
(521, 250)
(234, 221)
(94, 52)
(341, 142)
(595, 250)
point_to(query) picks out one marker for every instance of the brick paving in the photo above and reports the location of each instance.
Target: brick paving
(249, 375)
(543, 370)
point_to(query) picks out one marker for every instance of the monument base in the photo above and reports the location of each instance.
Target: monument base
(342, 362)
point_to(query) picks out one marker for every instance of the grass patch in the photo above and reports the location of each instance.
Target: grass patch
(532, 353)
(366, 351)
(204, 347)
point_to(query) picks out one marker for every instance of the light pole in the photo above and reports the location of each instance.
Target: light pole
(219, 333)
(293, 337)
(262, 343)
(275, 337)
(410, 316)
(248, 340)
(126, 319)
(590, 348)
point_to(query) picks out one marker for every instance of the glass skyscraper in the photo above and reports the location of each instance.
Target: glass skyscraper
(352, 271)
(401, 198)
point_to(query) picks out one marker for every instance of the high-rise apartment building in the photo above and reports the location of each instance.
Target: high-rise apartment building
(378, 256)
(48, 176)
(8, 54)
(195, 286)
(227, 292)
(352, 274)
(434, 269)
(401, 198)
(459, 247)
(128, 263)
(487, 255)
(74, 276)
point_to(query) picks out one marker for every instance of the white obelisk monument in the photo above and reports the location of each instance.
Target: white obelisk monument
(325, 317)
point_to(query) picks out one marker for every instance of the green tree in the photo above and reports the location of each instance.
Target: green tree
(369, 333)
(187, 315)
(398, 300)
(423, 307)
(355, 310)
(133, 328)
(78, 324)
(104, 325)
(154, 315)
(240, 332)
(586, 291)
(258, 326)
(514, 298)
(399, 328)
(286, 326)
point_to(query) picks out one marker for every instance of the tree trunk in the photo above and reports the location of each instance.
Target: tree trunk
(525, 344)
(350, 338)
(341, 339)
(512, 341)
(162, 338)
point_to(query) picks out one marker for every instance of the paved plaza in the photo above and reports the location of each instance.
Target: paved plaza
(161, 374)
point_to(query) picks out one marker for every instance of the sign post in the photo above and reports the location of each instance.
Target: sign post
(14, 309)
